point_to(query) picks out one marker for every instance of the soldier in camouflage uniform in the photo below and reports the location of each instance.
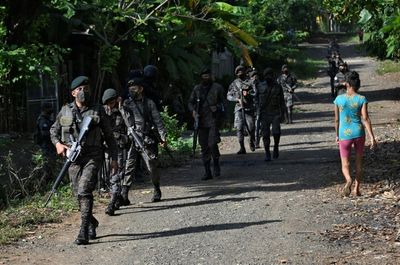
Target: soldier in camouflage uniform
(43, 124)
(240, 91)
(42, 138)
(288, 83)
(115, 112)
(83, 172)
(334, 62)
(340, 80)
(272, 108)
(146, 122)
(211, 104)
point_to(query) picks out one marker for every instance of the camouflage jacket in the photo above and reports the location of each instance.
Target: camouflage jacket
(235, 93)
(146, 119)
(118, 125)
(339, 83)
(287, 82)
(339, 79)
(211, 102)
(68, 121)
(271, 99)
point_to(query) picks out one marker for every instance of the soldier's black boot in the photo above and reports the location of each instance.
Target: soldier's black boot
(267, 156)
(110, 210)
(207, 167)
(83, 236)
(117, 203)
(257, 142)
(242, 149)
(257, 134)
(290, 115)
(124, 196)
(252, 145)
(217, 168)
(156, 193)
(276, 146)
(92, 227)
(267, 152)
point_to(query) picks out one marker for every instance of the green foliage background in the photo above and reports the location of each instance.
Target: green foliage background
(380, 18)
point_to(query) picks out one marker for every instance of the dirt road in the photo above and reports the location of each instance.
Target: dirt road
(255, 213)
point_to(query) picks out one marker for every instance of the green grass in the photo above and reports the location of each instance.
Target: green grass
(180, 149)
(388, 66)
(305, 67)
(24, 215)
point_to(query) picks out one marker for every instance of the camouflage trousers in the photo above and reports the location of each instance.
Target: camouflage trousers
(208, 140)
(151, 165)
(117, 178)
(83, 173)
(288, 99)
(240, 125)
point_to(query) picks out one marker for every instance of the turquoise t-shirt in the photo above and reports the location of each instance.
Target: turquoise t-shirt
(350, 125)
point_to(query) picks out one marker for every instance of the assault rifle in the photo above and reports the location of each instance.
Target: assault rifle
(139, 143)
(196, 127)
(138, 140)
(72, 155)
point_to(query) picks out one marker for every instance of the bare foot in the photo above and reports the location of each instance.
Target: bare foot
(347, 189)
(356, 193)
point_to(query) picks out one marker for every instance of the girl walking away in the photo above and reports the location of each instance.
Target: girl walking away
(351, 121)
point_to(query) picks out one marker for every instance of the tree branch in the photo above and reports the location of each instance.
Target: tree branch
(144, 20)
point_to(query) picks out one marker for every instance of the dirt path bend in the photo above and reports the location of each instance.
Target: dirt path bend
(255, 213)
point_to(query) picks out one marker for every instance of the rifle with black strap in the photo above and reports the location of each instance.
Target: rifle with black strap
(72, 154)
(138, 140)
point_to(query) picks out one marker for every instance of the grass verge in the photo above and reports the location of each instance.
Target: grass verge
(25, 215)
(388, 66)
(305, 67)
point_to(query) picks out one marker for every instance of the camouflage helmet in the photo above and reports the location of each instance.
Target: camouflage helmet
(150, 71)
(108, 95)
(240, 68)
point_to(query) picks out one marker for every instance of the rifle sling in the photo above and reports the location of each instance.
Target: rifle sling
(145, 113)
(77, 117)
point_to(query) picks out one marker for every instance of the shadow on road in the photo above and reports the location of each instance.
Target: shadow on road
(182, 231)
(380, 95)
(191, 204)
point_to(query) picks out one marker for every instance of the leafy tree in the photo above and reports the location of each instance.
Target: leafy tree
(381, 18)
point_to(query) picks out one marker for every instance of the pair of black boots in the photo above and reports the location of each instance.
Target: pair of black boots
(115, 202)
(275, 153)
(207, 166)
(242, 149)
(124, 197)
(88, 222)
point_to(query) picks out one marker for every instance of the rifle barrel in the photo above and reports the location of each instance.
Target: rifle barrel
(59, 178)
